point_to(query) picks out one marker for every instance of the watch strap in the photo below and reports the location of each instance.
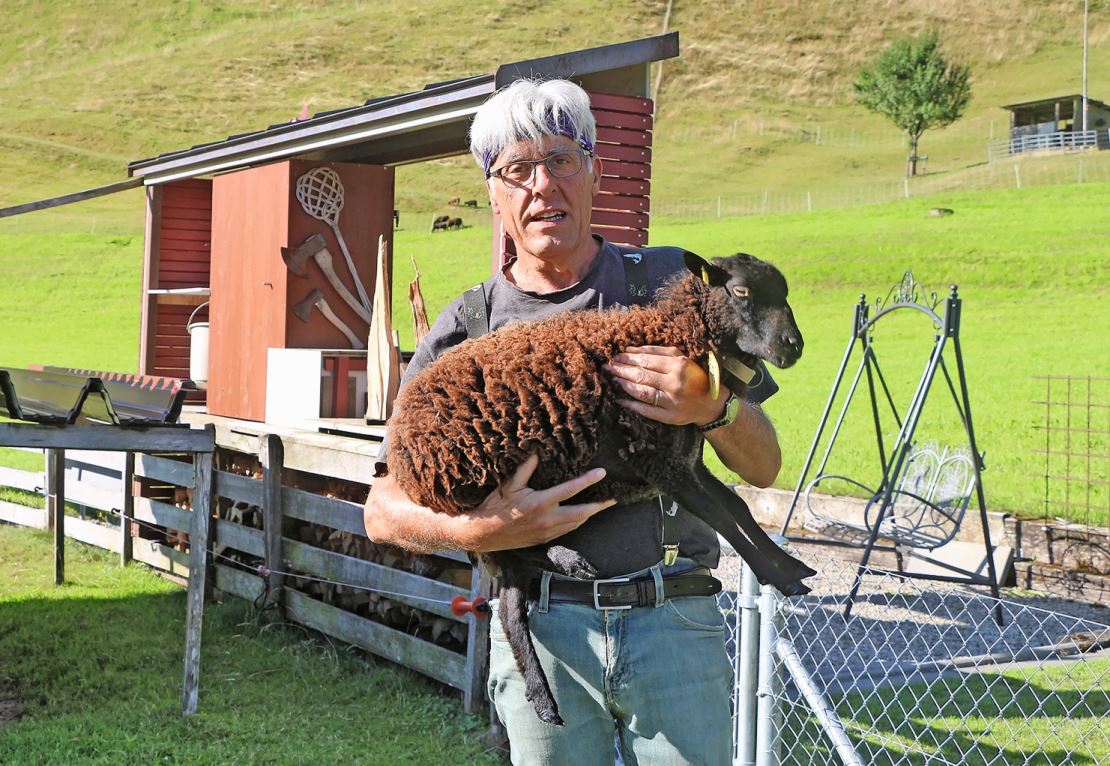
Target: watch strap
(732, 409)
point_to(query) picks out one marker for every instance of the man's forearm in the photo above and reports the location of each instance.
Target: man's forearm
(749, 446)
(392, 518)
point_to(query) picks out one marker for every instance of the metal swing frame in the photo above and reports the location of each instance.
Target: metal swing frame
(897, 465)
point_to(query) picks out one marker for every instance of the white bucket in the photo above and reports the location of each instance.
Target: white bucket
(198, 349)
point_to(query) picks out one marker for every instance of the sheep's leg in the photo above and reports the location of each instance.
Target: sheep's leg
(722, 511)
(514, 619)
(787, 565)
(556, 558)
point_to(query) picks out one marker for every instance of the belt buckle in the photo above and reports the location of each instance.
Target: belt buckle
(598, 606)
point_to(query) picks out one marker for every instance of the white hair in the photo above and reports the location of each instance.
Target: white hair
(528, 110)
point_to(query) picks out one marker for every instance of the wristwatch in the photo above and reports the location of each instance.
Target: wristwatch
(732, 409)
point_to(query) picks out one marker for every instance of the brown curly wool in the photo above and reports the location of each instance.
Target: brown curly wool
(464, 424)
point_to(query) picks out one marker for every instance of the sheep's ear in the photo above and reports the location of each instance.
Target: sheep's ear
(714, 276)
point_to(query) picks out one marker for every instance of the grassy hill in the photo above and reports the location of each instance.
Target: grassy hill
(758, 103)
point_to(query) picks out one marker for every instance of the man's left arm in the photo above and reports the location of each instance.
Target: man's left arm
(749, 446)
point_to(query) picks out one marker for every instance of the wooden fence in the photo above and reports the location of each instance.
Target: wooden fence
(263, 563)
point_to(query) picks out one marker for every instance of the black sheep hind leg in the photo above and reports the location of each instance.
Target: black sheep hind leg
(771, 565)
(514, 620)
(788, 567)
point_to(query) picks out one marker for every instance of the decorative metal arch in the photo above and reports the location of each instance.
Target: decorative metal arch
(945, 314)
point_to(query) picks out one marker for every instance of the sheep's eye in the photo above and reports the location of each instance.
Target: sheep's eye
(740, 292)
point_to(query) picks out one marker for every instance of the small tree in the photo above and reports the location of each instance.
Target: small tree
(916, 87)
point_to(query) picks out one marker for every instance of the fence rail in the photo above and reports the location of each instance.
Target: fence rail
(1059, 141)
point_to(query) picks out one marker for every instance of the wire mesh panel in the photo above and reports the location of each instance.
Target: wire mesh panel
(922, 674)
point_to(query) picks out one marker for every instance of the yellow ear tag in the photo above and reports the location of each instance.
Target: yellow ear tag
(714, 375)
(705, 275)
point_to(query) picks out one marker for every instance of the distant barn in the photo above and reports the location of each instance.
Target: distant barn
(1053, 124)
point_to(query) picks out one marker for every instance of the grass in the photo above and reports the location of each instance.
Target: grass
(97, 663)
(1030, 265)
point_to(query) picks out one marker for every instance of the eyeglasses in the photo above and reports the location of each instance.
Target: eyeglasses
(562, 164)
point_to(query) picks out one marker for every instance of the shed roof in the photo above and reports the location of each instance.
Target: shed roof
(409, 127)
(1048, 101)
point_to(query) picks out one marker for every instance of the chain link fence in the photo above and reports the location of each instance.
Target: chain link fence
(920, 674)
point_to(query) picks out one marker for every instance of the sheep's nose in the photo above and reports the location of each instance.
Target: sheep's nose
(793, 341)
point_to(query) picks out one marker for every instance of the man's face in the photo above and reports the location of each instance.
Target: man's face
(548, 217)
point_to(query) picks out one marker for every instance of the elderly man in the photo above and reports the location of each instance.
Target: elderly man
(656, 674)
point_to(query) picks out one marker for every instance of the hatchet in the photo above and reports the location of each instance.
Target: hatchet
(316, 298)
(316, 248)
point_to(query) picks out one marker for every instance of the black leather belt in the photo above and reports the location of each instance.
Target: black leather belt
(623, 593)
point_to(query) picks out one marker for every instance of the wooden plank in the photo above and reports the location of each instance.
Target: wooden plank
(243, 489)
(28, 481)
(622, 202)
(67, 199)
(164, 469)
(626, 169)
(242, 538)
(634, 187)
(477, 643)
(93, 533)
(14, 513)
(619, 153)
(144, 439)
(162, 514)
(171, 221)
(164, 299)
(617, 103)
(189, 214)
(91, 496)
(204, 502)
(433, 661)
(246, 585)
(623, 137)
(633, 237)
(184, 234)
(127, 513)
(626, 120)
(420, 592)
(271, 458)
(162, 557)
(56, 508)
(619, 218)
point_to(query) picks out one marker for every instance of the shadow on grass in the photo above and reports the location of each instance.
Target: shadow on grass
(100, 682)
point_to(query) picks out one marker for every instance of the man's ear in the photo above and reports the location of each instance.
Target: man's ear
(714, 276)
(597, 169)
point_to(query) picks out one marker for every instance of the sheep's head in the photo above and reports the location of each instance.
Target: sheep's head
(746, 309)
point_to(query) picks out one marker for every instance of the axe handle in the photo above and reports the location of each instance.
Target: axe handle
(324, 260)
(325, 309)
(351, 265)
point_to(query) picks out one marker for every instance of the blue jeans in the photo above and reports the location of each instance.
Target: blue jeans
(659, 674)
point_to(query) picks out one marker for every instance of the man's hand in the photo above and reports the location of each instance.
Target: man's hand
(664, 385)
(512, 516)
(517, 516)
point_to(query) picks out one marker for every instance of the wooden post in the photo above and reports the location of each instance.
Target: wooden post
(204, 501)
(127, 513)
(477, 643)
(271, 454)
(56, 508)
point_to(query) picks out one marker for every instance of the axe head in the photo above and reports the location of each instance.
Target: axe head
(296, 257)
(304, 308)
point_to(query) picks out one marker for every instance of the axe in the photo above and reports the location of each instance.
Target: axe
(315, 247)
(316, 298)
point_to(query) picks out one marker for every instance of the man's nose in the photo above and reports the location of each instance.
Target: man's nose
(542, 179)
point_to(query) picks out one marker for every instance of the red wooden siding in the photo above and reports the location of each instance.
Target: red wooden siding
(624, 126)
(179, 232)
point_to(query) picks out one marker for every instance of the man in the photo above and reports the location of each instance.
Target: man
(658, 672)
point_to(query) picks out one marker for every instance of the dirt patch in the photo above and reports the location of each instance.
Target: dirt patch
(11, 706)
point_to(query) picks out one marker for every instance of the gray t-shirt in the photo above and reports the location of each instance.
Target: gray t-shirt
(625, 538)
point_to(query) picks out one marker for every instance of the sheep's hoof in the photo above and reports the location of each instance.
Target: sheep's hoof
(571, 563)
(795, 588)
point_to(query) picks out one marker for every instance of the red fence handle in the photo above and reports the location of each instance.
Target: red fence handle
(461, 606)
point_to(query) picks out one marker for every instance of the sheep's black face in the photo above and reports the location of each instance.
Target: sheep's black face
(747, 308)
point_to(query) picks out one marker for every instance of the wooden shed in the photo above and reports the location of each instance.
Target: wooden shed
(1061, 123)
(219, 214)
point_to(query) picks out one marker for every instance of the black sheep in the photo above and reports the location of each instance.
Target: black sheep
(464, 424)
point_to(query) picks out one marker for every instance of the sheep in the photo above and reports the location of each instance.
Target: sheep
(464, 424)
(440, 222)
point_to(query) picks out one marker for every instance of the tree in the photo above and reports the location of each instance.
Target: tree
(916, 87)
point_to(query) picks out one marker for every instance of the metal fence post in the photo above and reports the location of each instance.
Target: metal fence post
(770, 680)
(747, 661)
